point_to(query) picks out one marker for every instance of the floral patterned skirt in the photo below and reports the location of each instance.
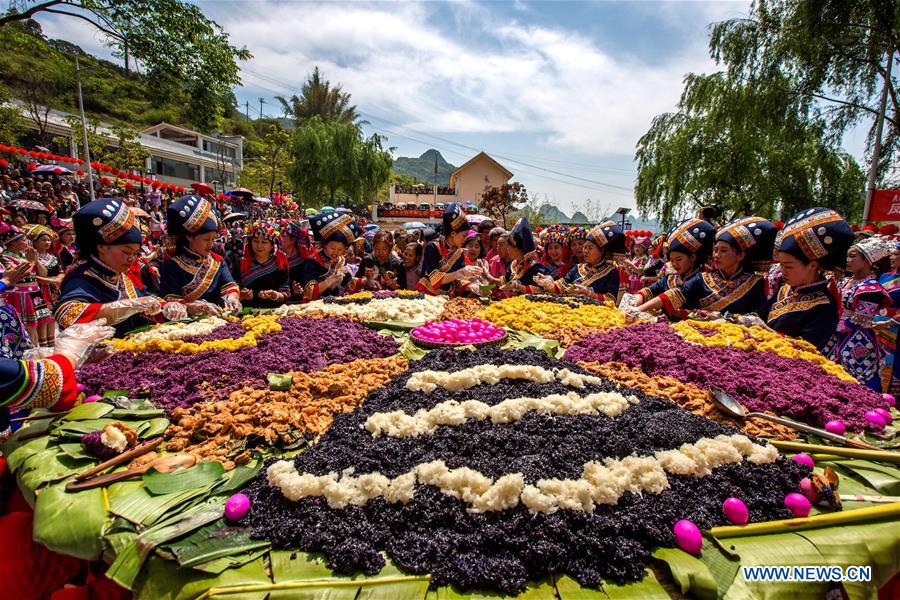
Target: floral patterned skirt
(857, 349)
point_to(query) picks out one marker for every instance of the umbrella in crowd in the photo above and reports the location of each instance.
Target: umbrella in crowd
(415, 225)
(202, 188)
(263, 200)
(242, 192)
(476, 218)
(326, 209)
(58, 170)
(30, 205)
(310, 212)
(140, 212)
(235, 216)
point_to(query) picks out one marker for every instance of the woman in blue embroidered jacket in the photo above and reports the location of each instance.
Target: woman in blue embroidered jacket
(109, 241)
(743, 247)
(599, 276)
(688, 247)
(325, 271)
(813, 241)
(854, 343)
(195, 275)
(265, 274)
(525, 268)
(444, 268)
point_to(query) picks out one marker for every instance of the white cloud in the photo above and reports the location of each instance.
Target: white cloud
(482, 76)
(475, 74)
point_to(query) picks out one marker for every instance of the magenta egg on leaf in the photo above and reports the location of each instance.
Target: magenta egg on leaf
(810, 491)
(236, 507)
(887, 417)
(79, 387)
(836, 427)
(804, 459)
(889, 399)
(93, 398)
(875, 419)
(687, 536)
(736, 511)
(798, 504)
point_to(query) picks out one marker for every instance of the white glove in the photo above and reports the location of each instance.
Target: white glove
(232, 303)
(77, 341)
(633, 315)
(118, 311)
(174, 311)
(203, 308)
(750, 321)
(630, 300)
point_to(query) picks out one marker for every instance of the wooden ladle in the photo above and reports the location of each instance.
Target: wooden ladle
(163, 464)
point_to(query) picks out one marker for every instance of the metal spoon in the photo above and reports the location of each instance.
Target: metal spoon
(733, 408)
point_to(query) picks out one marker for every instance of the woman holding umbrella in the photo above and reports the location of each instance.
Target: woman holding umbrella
(195, 275)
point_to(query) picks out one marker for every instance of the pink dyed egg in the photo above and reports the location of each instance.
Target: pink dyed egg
(810, 491)
(889, 399)
(887, 417)
(236, 507)
(798, 504)
(687, 536)
(93, 398)
(736, 511)
(804, 459)
(875, 419)
(80, 387)
(836, 427)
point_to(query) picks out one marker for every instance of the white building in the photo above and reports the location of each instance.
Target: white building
(177, 155)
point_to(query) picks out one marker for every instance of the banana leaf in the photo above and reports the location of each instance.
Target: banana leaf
(165, 580)
(89, 411)
(239, 477)
(692, 575)
(410, 589)
(17, 452)
(75, 429)
(517, 339)
(45, 467)
(214, 567)
(883, 479)
(279, 382)
(302, 566)
(127, 566)
(116, 543)
(647, 588)
(394, 325)
(76, 451)
(154, 428)
(142, 508)
(213, 541)
(412, 352)
(180, 480)
(70, 524)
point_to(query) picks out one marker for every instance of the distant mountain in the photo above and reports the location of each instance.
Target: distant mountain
(422, 168)
(551, 214)
(579, 218)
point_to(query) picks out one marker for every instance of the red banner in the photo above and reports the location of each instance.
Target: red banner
(885, 206)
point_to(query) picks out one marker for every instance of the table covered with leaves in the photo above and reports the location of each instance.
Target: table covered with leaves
(164, 536)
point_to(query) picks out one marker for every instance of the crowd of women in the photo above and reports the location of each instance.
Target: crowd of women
(814, 278)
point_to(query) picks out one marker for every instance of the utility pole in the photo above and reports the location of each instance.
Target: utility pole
(876, 146)
(261, 102)
(247, 110)
(84, 138)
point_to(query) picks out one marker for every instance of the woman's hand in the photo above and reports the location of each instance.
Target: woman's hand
(246, 294)
(14, 275)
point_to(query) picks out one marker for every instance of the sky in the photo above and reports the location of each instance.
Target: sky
(558, 92)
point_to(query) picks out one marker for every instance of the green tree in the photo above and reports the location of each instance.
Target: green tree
(177, 45)
(319, 98)
(332, 161)
(11, 124)
(746, 148)
(500, 202)
(833, 53)
(270, 159)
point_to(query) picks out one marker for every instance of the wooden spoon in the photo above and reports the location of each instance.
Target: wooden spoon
(163, 464)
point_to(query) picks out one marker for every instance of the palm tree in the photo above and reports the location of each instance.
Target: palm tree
(319, 98)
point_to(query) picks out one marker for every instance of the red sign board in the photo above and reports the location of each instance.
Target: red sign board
(885, 206)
